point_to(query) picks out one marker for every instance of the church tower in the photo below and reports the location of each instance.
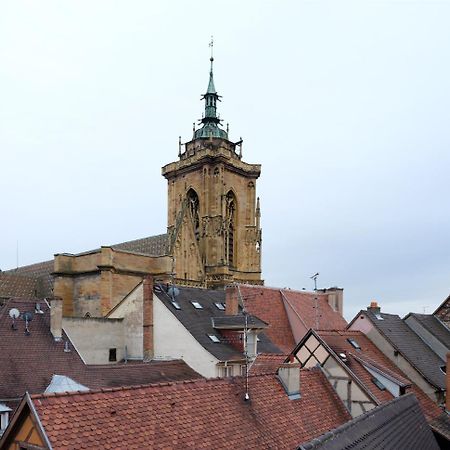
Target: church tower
(213, 213)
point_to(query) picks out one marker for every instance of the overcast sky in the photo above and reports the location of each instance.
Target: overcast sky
(345, 105)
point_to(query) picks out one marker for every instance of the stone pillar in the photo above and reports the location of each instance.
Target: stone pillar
(147, 312)
(56, 310)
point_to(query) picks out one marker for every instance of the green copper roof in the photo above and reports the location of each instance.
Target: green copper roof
(211, 122)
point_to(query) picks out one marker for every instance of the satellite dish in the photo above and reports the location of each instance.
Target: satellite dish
(14, 313)
(27, 316)
(173, 291)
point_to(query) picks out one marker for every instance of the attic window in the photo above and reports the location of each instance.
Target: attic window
(220, 305)
(354, 344)
(378, 384)
(214, 338)
(443, 369)
(196, 305)
(379, 317)
(176, 305)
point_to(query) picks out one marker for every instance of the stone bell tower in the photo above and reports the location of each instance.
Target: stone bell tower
(213, 213)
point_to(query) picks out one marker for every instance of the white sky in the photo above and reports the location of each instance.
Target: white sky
(345, 105)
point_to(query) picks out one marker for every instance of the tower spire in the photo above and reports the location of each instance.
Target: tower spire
(210, 120)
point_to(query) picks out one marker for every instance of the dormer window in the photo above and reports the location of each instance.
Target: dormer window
(4, 417)
(196, 305)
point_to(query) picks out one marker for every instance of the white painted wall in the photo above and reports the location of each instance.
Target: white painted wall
(130, 309)
(93, 337)
(173, 341)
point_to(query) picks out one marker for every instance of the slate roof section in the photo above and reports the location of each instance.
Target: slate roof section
(239, 322)
(271, 304)
(338, 342)
(27, 363)
(398, 424)
(199, 321)
(151, 245)
(412, 348)
(201, 414)
(434, 326)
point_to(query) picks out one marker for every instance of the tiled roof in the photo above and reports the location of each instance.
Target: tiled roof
(398, 424)
(151, 245)
(12, 285)
(338, 342)
(39, 272)
(199, 321)
(27, 363)
(271, 305)
(434, 326)
(201, 414)
(410, 346)
(441, 425)
(267, 363)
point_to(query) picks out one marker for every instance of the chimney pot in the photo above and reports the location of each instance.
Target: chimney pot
(56, 310)
(374, 307)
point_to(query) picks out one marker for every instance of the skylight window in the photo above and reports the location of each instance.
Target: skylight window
(176, 305)
(443, 369)
(379, 384)
(214, 338)
(379, 316)
(354, 344)
(220, 305)
(196, 305)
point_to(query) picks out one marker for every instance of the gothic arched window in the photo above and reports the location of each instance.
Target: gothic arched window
(193, 205)
(230, 226)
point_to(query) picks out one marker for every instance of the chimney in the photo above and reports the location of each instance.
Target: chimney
(231, 300)
(56, 309)
(374, 307)
(335, 298)
(447, 378)
(147, 316)
(289, 375)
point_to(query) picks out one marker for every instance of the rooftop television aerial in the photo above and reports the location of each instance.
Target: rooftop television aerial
(28, 317)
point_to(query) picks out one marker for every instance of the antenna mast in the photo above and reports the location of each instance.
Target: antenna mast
(316, 303)
(247, 359)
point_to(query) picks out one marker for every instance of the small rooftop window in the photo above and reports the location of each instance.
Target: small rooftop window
(379, 316)
(220, 305)
(214, 338)
(176, 305)
(196, 305)
(379, 384)
(443, 369)
(354, 344)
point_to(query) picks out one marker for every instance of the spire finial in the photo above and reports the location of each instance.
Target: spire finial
(211, 46)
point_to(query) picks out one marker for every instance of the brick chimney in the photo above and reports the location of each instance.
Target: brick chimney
(147, 316)
(56, 310)
(231, 300)
(289, 375)
(374, 307)
(447, 378)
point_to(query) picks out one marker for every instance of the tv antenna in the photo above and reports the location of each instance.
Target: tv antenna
(28, 317)
(14, 314)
